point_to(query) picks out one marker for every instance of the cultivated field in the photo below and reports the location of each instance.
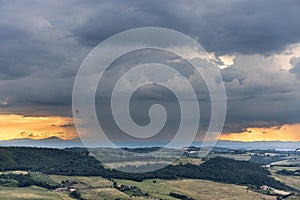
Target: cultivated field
(293, 181)
(97, 188)
(84, 182)
(30, 193)
(197, 189)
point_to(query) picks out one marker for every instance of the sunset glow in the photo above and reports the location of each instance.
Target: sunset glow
(287, 132)
(18, 126)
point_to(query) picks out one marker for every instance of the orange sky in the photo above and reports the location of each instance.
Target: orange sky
(18, 126)
(286, 132)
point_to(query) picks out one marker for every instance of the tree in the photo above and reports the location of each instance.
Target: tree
(76, 195)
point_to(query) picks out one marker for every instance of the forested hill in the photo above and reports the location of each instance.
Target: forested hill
(66, 162)
(47, 160)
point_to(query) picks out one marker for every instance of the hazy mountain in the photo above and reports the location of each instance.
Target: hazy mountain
(263, 145)
(53, 142)
(277, 145)
(56, 142)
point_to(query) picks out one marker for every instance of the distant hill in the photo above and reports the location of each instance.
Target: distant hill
(258, 145)
(263, 145)
(221, 145)
(51, 142)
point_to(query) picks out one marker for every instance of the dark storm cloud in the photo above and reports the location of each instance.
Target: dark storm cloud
(38, 59)
(260, 94)
(220, 26)
(44, 42)
(239, 127)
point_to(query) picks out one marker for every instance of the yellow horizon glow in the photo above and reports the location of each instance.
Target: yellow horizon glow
(286, 132)
(19, 126)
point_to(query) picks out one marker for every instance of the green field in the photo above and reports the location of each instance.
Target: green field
(84, 182)
(98, 188)
(187, 176)
(293, 181)
(104, 193)
(32, 193)
(197, 189)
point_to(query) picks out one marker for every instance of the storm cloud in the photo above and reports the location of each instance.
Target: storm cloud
(44, 42)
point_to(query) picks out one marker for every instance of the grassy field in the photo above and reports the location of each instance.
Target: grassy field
(197, 189)
(183, 160)
(293, 198)
(42, 178)
(98, 188)
(289, 161)
(277, 168)
(84, 182)
(293, 181)
(32, 193)
(104, 193)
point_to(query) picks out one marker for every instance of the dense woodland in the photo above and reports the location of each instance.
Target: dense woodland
(69, 162)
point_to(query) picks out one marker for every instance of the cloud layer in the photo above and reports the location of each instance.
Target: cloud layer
(44, 43)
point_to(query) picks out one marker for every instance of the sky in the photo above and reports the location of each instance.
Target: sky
(256, 45)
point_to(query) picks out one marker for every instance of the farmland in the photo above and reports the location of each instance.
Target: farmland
(73, 174)
(99, 188)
